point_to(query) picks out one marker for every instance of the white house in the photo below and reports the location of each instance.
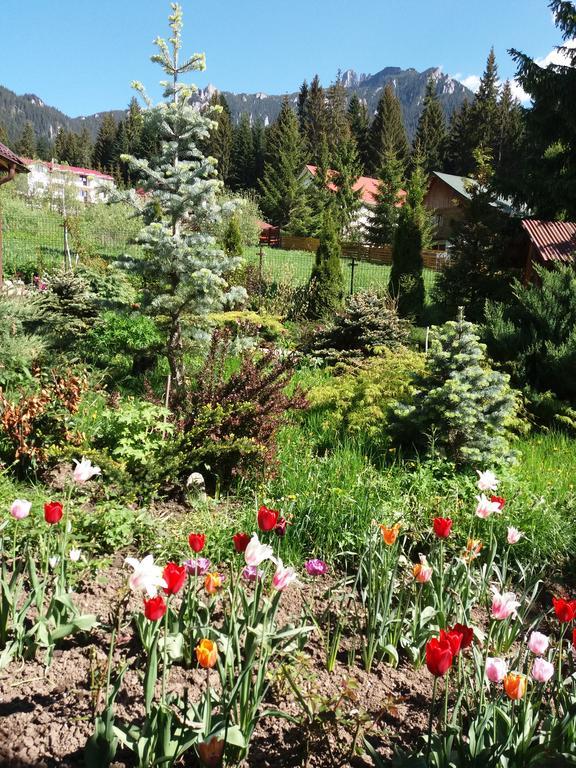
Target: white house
(87, 185)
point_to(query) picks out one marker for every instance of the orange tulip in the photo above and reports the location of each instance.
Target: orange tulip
(390, 534)
(473, 548)
(207, 653)
(213, 582)
(515, 685)
(211, 752)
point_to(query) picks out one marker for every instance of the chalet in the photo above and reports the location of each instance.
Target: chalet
(10, 165)
(88, 185)
(548, 243)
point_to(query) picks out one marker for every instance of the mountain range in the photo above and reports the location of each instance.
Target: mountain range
(409, 85)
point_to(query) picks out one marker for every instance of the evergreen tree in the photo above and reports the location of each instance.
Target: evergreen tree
(338, 127)
(316, 120)
(546, 180)
(183, 271)
(508, 148)
(303, 106)
(430, 137)
(326, 285)
(283, 187)
(358, 119)
(384, 217)
(347, 169)
(387, 132)
(460, 408)
(219, 145)
(485, 112)
(232, 240)
(26, 144)
(259, 148)
(3, 135)
(479, 267)
(459, 158)
(103, 157)
(44, 148)
(242, 171)
(84, 148)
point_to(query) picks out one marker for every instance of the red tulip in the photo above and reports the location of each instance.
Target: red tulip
(154, 608)
(197, 541)
(241, 541)
(439, 656)
(280, 527)
(267, 518)
(498, 500)
(454, 640)
(467, 635)
(442, 527)
(53, 512)
(565, 610)
(175, 576)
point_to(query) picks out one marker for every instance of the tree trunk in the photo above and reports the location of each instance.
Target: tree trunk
(176, 361)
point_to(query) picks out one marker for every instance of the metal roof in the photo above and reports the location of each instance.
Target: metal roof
(462, 185)
(554, 240)
(8, 158)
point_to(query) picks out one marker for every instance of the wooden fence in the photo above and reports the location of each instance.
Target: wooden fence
(433, 259)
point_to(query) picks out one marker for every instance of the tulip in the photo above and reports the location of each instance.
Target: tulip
(503, 605)
(542, 670)
(486, 507)
(514, 535)
(255, 553)
(207, 653)
(280, 527)
(454, 640)
(175, 577)
(442, 527)
(252, 573)
(499, 501)
(197, 567)
(211, 752)
(84, 470)
(316, 567)
(439, 656)
(213, 582)
(538, 643)
(565, 610)
(20, 509)
(75, 555)
(473, 549)
(496, 669)
(241, 541)
(154, 608)
(422, 571)
(197, 541)
(487, 481)
(267, 518)
(53, 561)
(283, 577)
(515, 685)
(390, 534)
(53, 512)
(467, 634)
(147, 576)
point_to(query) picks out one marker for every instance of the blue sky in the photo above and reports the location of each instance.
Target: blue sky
(81, 55)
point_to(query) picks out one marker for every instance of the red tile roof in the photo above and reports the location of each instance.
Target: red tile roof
(367, 186)
(71, 169)
(554, 240)
(11, 158)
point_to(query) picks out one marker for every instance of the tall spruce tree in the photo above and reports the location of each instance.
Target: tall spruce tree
(430, 139)
(283, 187)
(219, 145)
(326, 285)
(485, 112)
(387, 132)
(259, 148)
(316, 125)
(347, 168)
(508, 149)
(26, 144)
(303, 106)
(184, 272)
(384, 218)
(104, 148)
(460, 146)
(338, 128)
(242, 170)
(359, 126)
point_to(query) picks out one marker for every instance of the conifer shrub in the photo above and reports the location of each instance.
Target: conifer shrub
(368, 321)
(232, 240)
(326, 284)
(460, 408)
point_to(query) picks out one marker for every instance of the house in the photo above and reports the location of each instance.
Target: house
(10, 164)
(547, 243)
(448, 197)
(87, 184)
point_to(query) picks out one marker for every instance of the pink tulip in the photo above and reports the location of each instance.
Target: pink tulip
(252, 573)
(422, 571)
(84, 470)
(486, 507)
(198, 566)
(538, 643)
(503, 605)
(316, 567)
(20, 509)
(542, 670)
(255, 553)
(496, 669)
(283, 576)
(514, 535)
(487, 481)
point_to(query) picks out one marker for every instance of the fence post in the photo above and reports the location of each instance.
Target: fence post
(352, 267)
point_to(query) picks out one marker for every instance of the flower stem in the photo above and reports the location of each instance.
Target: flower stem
(431, 720)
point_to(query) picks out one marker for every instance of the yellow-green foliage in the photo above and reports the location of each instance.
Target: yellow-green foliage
(356, 404)
(268, 326)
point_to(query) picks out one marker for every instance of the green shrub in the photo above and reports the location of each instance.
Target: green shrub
(326, 281)
(460, 408)
(244, 209)
(232, 240)
(246, 322)
(368, 321)
(19, 349)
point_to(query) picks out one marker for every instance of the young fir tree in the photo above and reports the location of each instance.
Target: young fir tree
(242, 157)
(283, 186)
(26, 144)
(387, 132)
(183, 270)
(326, 285)
(430, 137)
(384, 218)
(232, 240)
(485, 113)
(103, 157)
(219, 144)
(346, 166)
(359, 126)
